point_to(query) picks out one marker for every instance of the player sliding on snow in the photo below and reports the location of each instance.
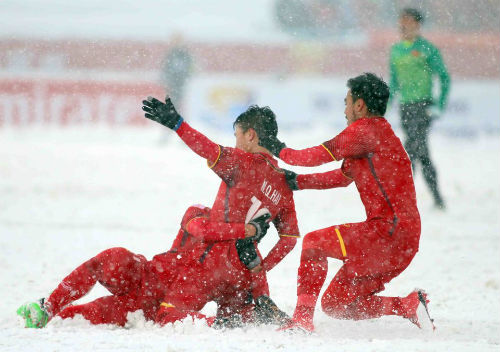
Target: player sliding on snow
(136, 283)
(374, 251)
(205, 262)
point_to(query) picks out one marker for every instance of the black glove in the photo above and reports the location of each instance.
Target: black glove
(261, 225)
(247, 252)
(273, 144)
(246, 246)
(163, 113)
(291, 179)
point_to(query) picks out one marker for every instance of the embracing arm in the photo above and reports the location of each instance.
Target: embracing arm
(313, 156)
(207, 230)
(324, 180)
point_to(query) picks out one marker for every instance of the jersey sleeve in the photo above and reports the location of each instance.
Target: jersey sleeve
(313, 156)
(286, 221)
(199, 143)
(356, 141)
(279, 251)
(227, 164)
(324, 180)
(438, 67)
(203, 228)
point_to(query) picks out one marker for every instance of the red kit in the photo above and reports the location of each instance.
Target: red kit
(373, 251)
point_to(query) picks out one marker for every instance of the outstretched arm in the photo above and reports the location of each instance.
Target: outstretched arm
(166, 115)
(199, 143)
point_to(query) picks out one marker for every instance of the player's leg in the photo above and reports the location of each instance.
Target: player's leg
(353, 297)
(117, 269)
(410, 128)
(423, 154)
(104, 310)
(317, 246)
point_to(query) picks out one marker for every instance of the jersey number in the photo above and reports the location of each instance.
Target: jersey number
(254, 210)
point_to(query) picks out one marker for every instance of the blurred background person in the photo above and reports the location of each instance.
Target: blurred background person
(414, 62)
(177, 69)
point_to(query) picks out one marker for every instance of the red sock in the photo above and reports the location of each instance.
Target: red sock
(311, 276)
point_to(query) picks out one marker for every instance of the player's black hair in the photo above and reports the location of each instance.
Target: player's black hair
(417, 15)
(261, 119)
(372, 89)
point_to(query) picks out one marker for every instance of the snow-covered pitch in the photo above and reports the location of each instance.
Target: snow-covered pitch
(66, 194)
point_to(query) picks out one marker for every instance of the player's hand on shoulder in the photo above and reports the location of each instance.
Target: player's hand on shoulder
(291, 179)
(163, 113)
(273, 144)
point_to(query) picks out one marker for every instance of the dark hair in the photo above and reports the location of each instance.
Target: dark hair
(417, 15)
(372, 89)
(261, 119)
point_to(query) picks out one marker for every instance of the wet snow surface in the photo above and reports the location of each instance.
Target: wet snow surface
(67, 194)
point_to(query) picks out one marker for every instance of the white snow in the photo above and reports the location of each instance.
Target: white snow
(66, 194)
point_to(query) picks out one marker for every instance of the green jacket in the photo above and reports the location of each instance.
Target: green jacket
(412, 66)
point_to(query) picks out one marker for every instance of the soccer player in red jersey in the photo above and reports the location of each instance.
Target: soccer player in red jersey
(134, 282)
(252, 184)
(373, 251)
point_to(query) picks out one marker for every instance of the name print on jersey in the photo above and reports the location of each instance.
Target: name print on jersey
(270, 193)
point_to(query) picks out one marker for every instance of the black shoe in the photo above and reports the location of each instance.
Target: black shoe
(231, 322)
(267, 312)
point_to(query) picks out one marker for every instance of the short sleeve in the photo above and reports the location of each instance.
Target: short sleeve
(227, 164)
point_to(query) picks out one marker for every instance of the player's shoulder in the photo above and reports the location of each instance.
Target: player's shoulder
(426, 45)
(234, 153)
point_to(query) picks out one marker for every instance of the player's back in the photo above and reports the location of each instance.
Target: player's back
(250, 182)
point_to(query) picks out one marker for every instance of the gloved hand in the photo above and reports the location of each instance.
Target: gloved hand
(291, 179)
(246, 247)
(163, 113)
(247, 252)
(273, 144)
(261, 225)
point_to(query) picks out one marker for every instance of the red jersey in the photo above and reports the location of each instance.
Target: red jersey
(376, 161)
(250, 182)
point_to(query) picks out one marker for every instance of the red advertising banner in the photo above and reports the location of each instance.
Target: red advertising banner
(63, 102)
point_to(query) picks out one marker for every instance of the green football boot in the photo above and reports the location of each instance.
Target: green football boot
(34, 314)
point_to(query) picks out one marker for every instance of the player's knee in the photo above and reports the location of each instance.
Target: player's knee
(312, 240)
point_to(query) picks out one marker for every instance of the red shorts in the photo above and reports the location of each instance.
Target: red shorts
(366, 247)
(214, 275)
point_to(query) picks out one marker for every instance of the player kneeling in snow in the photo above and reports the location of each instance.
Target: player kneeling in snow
(134, 282)
(374, 251)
